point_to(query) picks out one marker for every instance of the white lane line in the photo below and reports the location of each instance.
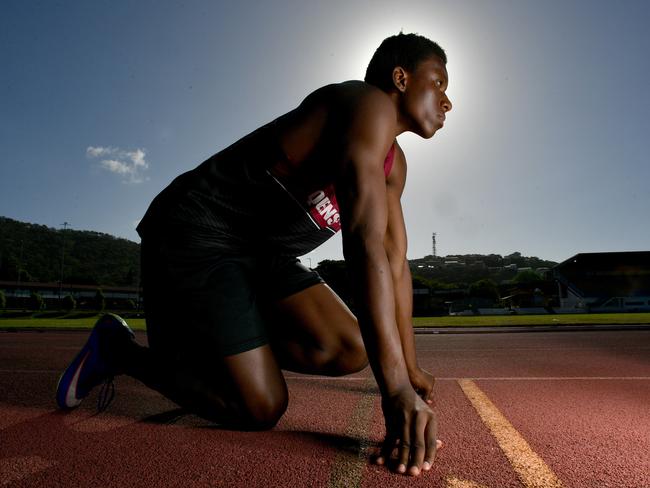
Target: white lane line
(481, 378)
(356, 378)
(551, 378)
(531, 469)
(505, 348)
(30, 371)
(44, 346)
(347, 468)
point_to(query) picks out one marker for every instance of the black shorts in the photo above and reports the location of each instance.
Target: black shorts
(202, 302)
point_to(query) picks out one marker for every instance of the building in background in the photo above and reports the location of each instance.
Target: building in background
(605, 282)
(18, 295)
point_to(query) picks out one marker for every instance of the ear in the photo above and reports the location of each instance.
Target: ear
(400, 78)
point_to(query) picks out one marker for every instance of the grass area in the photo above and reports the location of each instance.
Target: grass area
(84, 320)
(532, 320)
(62, 321)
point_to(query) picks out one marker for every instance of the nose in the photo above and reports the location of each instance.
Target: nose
(445, 103)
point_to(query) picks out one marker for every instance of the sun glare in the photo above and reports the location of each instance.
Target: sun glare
(358, 53)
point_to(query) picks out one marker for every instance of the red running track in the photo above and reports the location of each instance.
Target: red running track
(515, 410)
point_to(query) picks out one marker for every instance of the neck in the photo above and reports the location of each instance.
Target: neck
(401, 123)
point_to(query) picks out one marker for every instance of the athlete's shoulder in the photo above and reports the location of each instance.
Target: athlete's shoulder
(349, 112)
(355, 95)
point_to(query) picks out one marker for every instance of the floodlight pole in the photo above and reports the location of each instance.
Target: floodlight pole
(20, 263)
(65, 226)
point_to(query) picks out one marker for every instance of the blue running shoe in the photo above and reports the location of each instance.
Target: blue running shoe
(92, 366)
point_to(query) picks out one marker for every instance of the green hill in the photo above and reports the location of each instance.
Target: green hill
(31, 252)
(463, 270)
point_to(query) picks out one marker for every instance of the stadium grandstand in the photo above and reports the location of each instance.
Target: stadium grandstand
(605, 282)
(18, 294)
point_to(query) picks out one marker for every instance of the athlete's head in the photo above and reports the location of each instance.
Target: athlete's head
(404, 50)
(412, 69)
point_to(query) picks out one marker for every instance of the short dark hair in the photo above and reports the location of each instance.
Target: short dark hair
(405, 50)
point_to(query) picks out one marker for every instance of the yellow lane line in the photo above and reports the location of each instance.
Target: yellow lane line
(491, 378)
(533, 472)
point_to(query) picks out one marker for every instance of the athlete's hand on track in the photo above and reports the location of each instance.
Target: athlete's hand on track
(411, 429)
(422, 382)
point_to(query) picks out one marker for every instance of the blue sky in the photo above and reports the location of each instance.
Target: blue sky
(546, 150)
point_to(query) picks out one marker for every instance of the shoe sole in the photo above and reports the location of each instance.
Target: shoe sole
(67, 398)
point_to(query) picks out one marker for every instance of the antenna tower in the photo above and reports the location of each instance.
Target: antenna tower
(433, 245)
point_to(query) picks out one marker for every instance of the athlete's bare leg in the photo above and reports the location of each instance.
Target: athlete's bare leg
(314, 332)
(259, 391)
(245, 390)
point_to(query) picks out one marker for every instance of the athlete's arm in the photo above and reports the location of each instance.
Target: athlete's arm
(361, 192)
(395, 243)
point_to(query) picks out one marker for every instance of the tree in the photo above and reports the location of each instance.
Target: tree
(129, 277)
(68, 303)
(3, 300)
(420, 282)
(36, 302)
(100, 300)
(527, 276)
(515, 258)
(484, 289)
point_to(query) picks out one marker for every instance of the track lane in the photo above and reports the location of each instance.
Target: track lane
(595, 383)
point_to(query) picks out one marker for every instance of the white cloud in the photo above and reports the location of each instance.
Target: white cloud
(117, 167)
(95, 152)
(137, 157)
(128, 164)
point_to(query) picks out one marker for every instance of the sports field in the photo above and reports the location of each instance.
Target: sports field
(87, 321)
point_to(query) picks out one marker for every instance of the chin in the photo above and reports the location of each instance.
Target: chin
(428, 134)
(427, 131)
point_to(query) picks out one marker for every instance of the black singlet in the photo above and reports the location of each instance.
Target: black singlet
(233, 204)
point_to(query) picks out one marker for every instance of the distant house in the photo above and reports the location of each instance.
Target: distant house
(602, 282)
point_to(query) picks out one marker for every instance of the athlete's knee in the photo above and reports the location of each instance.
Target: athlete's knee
(353, 355)
(347, 356)
(264, 411)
